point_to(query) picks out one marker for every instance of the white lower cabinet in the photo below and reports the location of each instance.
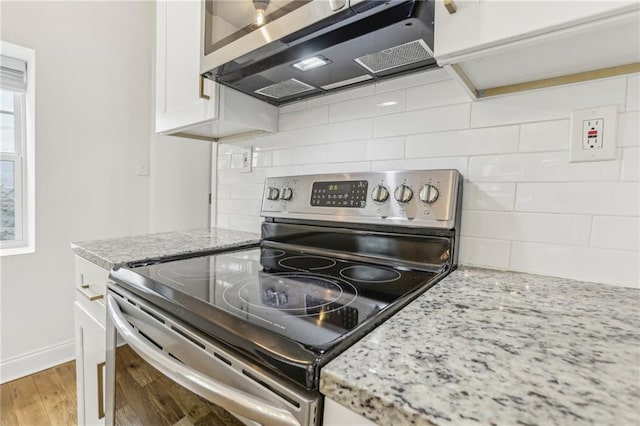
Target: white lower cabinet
(90, 316)
(90, 356)
(336, 414)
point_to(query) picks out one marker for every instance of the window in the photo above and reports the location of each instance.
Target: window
(17, 189)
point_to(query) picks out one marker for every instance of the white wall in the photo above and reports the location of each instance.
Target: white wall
(93, 121)
(526, 208)
(180, 183)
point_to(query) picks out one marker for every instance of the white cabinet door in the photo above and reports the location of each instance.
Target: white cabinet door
(179, 101)
(482, 24)
(498, 47)
(90, 357)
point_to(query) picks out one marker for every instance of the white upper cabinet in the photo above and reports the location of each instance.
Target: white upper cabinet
(497, 43)
(187, 104)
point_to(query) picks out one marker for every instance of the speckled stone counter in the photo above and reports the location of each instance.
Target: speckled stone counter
(499, 348)
(108, 252)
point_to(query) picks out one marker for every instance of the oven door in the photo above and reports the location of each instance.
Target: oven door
(160, 371)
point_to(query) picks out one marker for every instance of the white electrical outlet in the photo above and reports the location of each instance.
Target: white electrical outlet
(593, 134)
(247, 159)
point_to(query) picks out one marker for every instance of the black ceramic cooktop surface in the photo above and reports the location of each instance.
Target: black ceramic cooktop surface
(307, 298)
(285, 309)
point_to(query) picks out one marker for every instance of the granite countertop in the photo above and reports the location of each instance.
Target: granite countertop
(108, 252)
(498, 348)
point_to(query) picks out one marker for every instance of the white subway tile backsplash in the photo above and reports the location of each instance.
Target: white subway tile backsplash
(525, 207)
(489, 196)
(224, 162)
(281, 157)
(463, 142)
(237, 206)
(374, 149)
(229, 176)
(540, 167)
(422, 121)
(544, 136)
(582, 263)
(633, 93)
(304, 118)
(598, 198)
(363, 166)
(547, 228)
(412, 80)
(347, 151)
(630, 164)
(246, 191)
(296, 106)
(629, 129)
(300, 155)
(616, 232)
(260, 174)
(338, 132)
(358, 92)
(222, 220)
(385, 148)
(223, 191)
(245, 223)
(484, 252)
(370, 106)
(457, 163)
(262, 158)
(548, 104)
(447, 92)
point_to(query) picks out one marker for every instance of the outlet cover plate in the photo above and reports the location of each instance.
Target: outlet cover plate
(605, 148)
(247, 158)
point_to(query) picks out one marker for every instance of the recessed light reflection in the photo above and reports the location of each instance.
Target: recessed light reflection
(386, 104)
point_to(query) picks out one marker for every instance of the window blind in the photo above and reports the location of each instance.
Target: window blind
(13, 74)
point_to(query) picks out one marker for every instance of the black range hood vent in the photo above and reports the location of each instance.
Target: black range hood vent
(376, 41)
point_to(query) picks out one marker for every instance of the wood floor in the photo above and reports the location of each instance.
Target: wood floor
(146, 397)
(44, 398)
(143, 397)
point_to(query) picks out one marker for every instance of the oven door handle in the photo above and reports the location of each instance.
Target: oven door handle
(230, 398)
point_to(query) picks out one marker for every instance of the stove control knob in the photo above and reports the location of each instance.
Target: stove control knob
(403, 194)
(272, 193)
(380, 194)
(286, 193)
(429, 194)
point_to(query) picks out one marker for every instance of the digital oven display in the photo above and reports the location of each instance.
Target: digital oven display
(352, 194)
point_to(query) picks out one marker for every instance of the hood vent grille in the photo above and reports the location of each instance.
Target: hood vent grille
(285, 88)
(395, 57)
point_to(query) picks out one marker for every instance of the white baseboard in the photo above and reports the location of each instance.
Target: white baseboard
(38, 360)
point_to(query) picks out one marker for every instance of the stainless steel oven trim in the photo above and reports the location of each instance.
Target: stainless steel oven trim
(126, 316)
(413, 214)
(298, 19)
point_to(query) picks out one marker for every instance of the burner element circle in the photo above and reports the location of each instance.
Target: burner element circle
(292, 294)
(306, 263)
(369, 274)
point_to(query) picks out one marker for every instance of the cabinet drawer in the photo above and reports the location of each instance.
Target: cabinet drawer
(91, 287)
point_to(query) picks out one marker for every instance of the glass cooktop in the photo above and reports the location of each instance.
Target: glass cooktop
(308, 298)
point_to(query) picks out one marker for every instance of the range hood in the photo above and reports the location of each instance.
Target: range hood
(360, 43)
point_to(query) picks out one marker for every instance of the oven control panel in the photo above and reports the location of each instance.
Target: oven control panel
(408, 198)
(346, 194)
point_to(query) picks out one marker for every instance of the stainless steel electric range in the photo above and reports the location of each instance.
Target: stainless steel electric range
(249, 330)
